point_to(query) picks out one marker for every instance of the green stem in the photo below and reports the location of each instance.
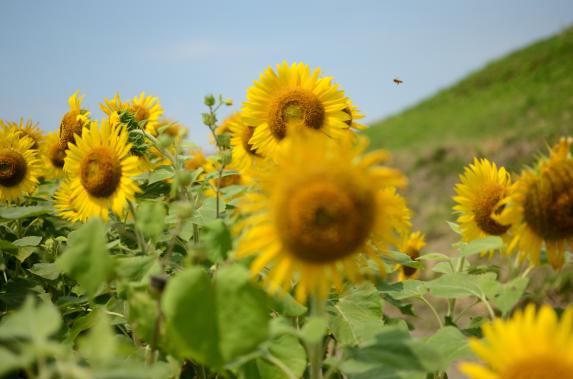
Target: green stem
(452, 302)
(434, 311)
(317, 306)
(138, 235)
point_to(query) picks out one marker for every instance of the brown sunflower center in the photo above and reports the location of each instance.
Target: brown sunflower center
(539, 367)
(13, 167)
(323, 221)
(295, 105)
(100, 172)
(485, 206)
(548, 207)
(245, 138)
(56, 155)
(414, 254)
(140, 113)
(69, 126)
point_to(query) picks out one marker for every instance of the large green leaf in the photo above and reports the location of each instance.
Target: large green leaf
(450, 344)
(13, 213)
(457, 285)
(215, 321)
(217, 240)
(87, 259)
(507, 295)
(357, 316)
(34, 321)
(285, 349)
(151, 219)
(482, 245)
(391, 355)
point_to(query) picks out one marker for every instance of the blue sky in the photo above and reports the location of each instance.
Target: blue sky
(181, 50)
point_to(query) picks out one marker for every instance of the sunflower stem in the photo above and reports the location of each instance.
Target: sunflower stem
(138, 235)
(434, 311)
(317, 308)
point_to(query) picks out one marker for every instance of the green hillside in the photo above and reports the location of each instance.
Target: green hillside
(506, 111)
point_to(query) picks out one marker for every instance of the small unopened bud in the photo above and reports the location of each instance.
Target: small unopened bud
(157, 284)
(228, 102)
(165, 140)
(184, 210)
(226, 157)
(209, 119)
(209, 100)
(184, 178)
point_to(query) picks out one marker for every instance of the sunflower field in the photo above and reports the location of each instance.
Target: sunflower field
(287, 252)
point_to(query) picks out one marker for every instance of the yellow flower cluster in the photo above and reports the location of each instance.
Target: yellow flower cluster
(531, 215)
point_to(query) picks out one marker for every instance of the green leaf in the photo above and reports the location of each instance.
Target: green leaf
(13, 213)
(450, 343)
(160, 174)
(99, 344)
(10, 361)
(28, 241)
(286, 349)
(404, 290)
(7, 245)
(207, 212)
(481, 246)
(217, 239)
(48, 271)
(507, 295)
(314, 329)
(287, 305)
(357, 316)
(214, 323)
(190, 311)
(392, 354)
(455, 227)
(134, 268)
(33, 321)
(457, 285)
(434, 257)
(242, 312)
(86, 258)
(150, 219)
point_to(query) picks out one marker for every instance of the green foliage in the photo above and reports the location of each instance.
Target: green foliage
(199, 312)
(87, 258)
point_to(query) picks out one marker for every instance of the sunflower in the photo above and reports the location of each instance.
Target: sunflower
(316, 211)
(482, 186)
(53, 156)
(100, 169)
(244, 155)
(197, 159)
(28, 128)
(73, 121)
(64, 202)
(411, 245)
(540, 207)
(354, 113)
(293, 98)
(145, 109)
(19, 166)
(530, 345)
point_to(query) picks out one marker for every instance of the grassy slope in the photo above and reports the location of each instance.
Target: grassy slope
(506, 111)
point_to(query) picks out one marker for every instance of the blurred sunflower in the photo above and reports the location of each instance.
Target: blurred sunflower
(317, 211)
(19, 166)
(28, 128)
(412, 246)
(73, 121)
(293, 98)
(100, 169)
(197, 159)
(482, 186)
(64, 202)
(528, 346)
(244, 155)
(354, 113)
(540, 207)
(53, 156)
